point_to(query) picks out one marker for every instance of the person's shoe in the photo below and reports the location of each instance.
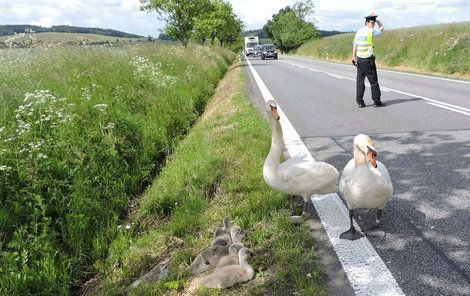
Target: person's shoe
(361, 105)
(378, 104)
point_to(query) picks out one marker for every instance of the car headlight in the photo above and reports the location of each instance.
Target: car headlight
(275, 51)
(264, 52)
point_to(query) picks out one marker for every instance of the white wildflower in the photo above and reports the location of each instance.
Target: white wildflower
(5, 168)
(128, 226)
(40, 155)
(109, 126)
(101, 107)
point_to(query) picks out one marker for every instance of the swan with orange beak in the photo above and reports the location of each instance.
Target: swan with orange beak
(298, 175)
(365, 183)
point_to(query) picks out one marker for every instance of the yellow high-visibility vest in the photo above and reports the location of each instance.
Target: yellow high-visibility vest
(365, 42)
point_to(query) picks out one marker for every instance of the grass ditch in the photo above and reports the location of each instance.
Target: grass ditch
(215, 171)
(83, 130)
(438, 49)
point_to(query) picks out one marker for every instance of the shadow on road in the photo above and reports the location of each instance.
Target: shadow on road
(428, 219)
(399, 101)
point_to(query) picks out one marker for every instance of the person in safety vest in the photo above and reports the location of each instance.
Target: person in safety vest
(364, 60)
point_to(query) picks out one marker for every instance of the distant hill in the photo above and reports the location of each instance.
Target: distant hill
(11, 29)
(260, 33)
(330, 33)
(71, 38)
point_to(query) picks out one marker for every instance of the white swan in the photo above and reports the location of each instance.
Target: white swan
(365, 183)
(298, 175)
(230, 275)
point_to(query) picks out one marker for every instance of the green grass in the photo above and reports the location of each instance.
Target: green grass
(443, 49)
(53, 37)
(215, 172)
(83, 130)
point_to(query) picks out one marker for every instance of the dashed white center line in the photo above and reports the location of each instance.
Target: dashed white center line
(432, 102)
(336, 76)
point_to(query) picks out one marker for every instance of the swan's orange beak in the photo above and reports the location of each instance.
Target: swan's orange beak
(372, 155)
(274, 113)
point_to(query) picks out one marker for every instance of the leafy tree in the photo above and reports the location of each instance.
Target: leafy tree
(289, 31)
(178, 14)
(207, 24)
(304, 9)
(268, 26)
(219, 22)
(232, 29)
(290, 27)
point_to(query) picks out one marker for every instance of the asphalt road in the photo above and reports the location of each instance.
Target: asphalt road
(422, 136)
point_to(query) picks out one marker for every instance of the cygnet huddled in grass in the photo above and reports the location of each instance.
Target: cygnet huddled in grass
(237, 234)
(230, 275)
(210, 256)
(231, 258)
(223, 231)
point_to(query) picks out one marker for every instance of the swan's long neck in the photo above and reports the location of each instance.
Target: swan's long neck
(359, 156)
(272, 160)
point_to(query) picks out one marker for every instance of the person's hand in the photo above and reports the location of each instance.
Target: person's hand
(354, 61)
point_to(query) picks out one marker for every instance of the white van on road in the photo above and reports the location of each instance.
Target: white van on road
(250, 43)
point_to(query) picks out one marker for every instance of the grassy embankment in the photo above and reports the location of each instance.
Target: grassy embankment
(83, 130)
(439, 49)
(215, 171)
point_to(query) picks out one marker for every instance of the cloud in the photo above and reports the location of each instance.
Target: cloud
(348, 15)
(125, 15)
(255, 14)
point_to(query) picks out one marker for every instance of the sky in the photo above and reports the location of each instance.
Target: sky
(124, 15)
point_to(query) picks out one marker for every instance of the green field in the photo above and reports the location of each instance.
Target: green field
(83, 131)
(442, 49)
(72, 38)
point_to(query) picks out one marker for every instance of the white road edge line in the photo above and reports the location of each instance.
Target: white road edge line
(365, 269)
(436, 103)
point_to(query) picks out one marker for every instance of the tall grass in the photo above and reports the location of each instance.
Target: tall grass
(439, 48)
(82, 132)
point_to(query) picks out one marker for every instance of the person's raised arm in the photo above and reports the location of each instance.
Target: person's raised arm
(381, 27)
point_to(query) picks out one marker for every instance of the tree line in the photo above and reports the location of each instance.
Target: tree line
(11, 29)
(203, 21)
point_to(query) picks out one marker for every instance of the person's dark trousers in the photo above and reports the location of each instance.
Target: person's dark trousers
(366, 67)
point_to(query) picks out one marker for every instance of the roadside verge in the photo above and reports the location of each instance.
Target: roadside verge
(214, 172)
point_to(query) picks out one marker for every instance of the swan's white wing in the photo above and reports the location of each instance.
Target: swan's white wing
(346, 175)
(306, 175)
(385, 177)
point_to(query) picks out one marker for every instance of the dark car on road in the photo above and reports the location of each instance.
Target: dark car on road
(269, 51)
(257, 51)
